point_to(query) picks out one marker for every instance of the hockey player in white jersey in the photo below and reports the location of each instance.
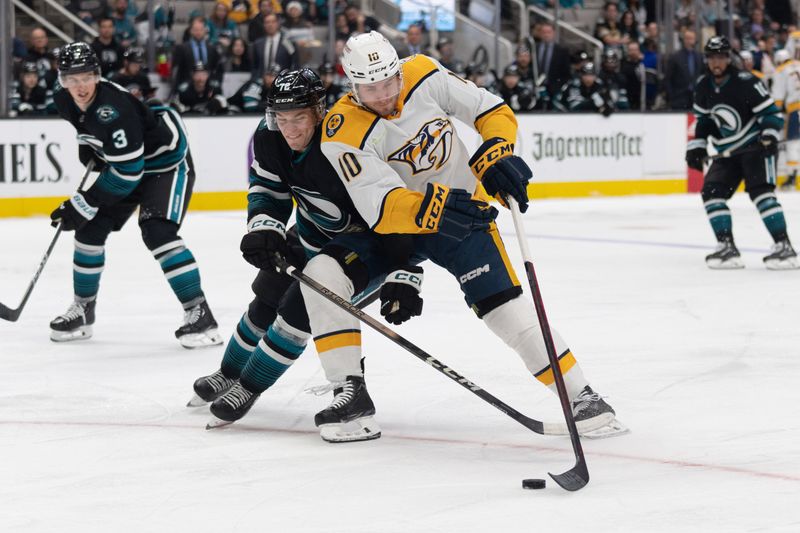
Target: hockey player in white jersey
(393, 143)
(786, 93)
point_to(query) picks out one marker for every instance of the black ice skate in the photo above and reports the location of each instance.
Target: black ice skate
(782, 257)
(726, 256)
(75, 324)
(199, 328)
(349, 417)
(209, 388)
(594, 418)
(231, 406)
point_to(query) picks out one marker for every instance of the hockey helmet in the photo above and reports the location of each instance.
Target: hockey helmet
(134, 54)
(511, 70)
(326, 68)
(77, 57)
(782, 56)
(30, 67)
(587, 69)
(717, 45)
(610, 57)
(369, 58)
(295, 89)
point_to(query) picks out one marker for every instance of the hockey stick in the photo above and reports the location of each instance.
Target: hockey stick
(728, 153)
(578, 476)
(12, 315)
(536, 426)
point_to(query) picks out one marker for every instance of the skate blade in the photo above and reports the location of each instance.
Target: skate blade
(583, 427)
(613, 429)
(216, 423)
(730, 264)
(200, 340)
(196, 401)
(81, 334)
(358, 430)
(785, 264)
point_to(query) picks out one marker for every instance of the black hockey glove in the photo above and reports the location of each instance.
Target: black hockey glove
(695, 158)
(264, 243)
(453, 213)
(501, 172)
(400, 298)
(769, 143)
(73, 214)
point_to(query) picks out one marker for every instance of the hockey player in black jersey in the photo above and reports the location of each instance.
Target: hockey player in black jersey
(288, 165)
(28, 96)
(736, 114)
(143, 160)
(131, 77)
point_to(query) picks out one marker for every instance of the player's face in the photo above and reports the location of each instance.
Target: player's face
(30, 80)
(81, 87)
(717, 64)
(297, 127)
(381, 96)
(134, 68)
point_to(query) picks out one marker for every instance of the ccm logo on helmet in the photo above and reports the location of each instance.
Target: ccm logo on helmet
(472, 274)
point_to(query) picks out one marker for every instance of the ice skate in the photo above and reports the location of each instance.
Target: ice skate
(725, 257)
(782, 257)
(349, 417)
(199, 328)
(75, 324)
(231, 406)
(594, 418)
(209, 388)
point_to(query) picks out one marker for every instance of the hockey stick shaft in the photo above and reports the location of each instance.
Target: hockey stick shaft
(530, 423)
(578, 476)
(727, 153)
(12, 315)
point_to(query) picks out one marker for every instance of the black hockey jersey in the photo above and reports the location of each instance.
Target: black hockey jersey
(733, 114)
(128, 137)
(278, 174)
(37, 101)
(138, 85)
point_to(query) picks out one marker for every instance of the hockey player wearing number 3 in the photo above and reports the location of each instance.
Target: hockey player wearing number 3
(735, 112)
(144, 162)
(399, 157)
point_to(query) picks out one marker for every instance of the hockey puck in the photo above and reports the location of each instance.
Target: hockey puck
(533, 483)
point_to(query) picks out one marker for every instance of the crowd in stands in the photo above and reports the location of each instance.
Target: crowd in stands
(258, 39)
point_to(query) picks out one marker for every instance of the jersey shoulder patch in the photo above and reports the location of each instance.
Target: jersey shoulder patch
(348, 123)
(106, 113)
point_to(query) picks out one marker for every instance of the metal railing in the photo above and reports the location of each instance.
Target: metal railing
(72, 17)
(595, 43)
(41, 20)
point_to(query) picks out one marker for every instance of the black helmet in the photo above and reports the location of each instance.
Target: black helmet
(511, 70)
(134, 54)
(326, 68)
(475, 69)
(587, 68)
(717, 45)
(295, 89)
(30, 67)
(610, 56)
(77, 57)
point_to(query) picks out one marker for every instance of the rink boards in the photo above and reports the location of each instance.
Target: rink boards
(571, 155)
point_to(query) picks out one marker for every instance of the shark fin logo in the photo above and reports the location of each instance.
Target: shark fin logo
(430, 148)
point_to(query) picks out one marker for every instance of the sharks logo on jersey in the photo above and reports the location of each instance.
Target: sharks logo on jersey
(727, 119)
(325, 214)
(430, 147)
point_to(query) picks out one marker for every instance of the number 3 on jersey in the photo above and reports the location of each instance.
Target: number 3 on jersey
(349, 165)
(120, 141)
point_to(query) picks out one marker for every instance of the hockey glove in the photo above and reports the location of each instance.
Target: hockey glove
(501, 172)
(73, 214)
(264, 243)
(695, 158)
(769, 143)
(453, 213)
(400, 298)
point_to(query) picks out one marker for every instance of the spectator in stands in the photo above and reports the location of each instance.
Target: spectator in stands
(221, 30)
(607, 28)
(240, 11)
(524, 64)
(273, 48)
(629, 27)
(447, 56)
(639, 12)
(131, 76)
(479, 75)
(196, 50)
(198, 96)
(683, 69)
(39, 54)
(19, 50)
(359, 22)
(650, 57)
(238, 57)
(341, 26)
(414, 42)
(295, 16)
(633, 74)
(517, 96)
(552, 59)
(252, 96)
(107, 48)
(685, 13)
(89, 11)
(255, 28)
(124, 29)
(333, 91)
(613, 80)
(28, 97)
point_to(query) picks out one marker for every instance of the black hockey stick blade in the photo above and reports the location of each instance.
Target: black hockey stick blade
(573, 479)
(9, 314)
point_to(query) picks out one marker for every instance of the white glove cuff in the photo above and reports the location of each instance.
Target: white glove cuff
(414, 279)
(266, 223)
(82, 206)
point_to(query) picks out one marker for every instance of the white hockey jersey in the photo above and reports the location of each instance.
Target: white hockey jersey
(386, 163)
(786, 86)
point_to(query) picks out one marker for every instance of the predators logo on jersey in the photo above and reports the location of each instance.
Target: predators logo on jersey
(430, 147)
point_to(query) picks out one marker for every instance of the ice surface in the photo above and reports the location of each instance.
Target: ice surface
(702, 365)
